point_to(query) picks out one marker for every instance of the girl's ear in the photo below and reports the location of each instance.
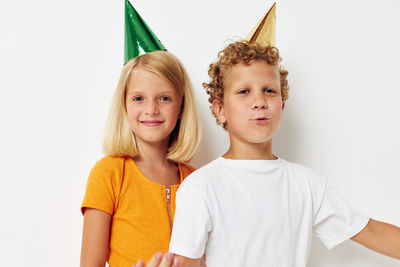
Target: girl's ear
(218, 108)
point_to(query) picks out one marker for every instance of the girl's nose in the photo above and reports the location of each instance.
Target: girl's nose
(152, 108)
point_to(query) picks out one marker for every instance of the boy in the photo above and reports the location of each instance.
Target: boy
(249, 207)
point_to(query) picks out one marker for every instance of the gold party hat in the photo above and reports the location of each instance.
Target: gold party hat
(264, 32)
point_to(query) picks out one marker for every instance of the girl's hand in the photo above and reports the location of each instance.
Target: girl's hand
(160, 260)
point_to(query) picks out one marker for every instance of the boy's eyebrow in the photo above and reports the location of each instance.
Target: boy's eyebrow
(239, 85)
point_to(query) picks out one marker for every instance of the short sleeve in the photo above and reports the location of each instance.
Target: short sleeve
(192, 222)
(103, 185)
(335, 221)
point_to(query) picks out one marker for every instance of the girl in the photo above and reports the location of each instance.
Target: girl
(152, 130)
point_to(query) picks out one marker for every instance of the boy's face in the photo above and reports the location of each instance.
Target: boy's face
(252, 103)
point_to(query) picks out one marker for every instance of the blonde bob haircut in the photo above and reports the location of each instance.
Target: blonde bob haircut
(184, 140)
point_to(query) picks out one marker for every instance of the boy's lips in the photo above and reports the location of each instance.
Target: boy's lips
(151, 122)
(261, 120)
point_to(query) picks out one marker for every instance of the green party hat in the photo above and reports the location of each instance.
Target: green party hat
(139, 39)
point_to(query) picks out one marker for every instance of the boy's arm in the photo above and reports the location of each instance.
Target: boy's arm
(188, 262)
(170, 260)
(381, 237)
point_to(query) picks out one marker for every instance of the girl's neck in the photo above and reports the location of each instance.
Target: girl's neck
(154, 154)
(153, 163)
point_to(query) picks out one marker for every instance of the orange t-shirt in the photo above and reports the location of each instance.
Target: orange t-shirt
(140, 211)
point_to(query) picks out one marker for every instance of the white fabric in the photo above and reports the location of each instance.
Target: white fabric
(258, 213)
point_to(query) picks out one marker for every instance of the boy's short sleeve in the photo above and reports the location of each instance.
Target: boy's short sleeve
(103, 185)
(192, 222)
(335, 221)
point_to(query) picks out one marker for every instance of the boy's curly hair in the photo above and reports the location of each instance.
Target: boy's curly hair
(235, 53)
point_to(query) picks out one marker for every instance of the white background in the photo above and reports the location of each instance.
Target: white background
(60, 63)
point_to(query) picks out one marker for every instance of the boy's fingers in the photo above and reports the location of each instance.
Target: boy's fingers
(167, 260)
(155, 260)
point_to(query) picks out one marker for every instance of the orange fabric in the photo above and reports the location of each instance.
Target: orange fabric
(140, 221)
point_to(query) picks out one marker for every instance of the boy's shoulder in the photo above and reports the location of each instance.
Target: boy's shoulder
(219, 168)
(210, 169)
(203, 176)
(220, 163)
(300, 169)
(306, 173)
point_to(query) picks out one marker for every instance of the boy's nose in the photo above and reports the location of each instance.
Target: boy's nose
(260, 105)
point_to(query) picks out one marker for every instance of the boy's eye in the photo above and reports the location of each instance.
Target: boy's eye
(243, 91)
(165, 98)
(269, 90)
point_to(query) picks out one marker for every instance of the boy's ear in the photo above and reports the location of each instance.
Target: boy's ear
(218, 108)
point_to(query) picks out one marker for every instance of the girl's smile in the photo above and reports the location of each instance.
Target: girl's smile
(151, 123)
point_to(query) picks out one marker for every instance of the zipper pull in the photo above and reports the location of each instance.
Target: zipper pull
(168, 191)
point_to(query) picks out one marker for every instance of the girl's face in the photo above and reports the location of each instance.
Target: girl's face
(153, 107)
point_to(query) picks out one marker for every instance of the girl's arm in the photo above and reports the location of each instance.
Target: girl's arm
(95, 238)
(381, 237)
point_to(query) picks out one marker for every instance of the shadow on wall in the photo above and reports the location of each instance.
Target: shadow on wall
(347, 254)
(214, 143)
(286, 143)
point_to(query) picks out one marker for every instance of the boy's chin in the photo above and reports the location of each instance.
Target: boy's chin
(252, 140)
(264, 141)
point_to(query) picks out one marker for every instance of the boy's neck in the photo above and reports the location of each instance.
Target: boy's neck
(239, 150)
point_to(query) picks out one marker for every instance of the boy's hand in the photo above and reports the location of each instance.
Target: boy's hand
(158, 260)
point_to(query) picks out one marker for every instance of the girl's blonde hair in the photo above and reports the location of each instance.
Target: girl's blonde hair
(119, 139)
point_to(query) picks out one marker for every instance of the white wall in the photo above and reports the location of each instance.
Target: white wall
(60, 62)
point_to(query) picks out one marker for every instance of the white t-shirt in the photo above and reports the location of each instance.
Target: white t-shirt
(258, 213)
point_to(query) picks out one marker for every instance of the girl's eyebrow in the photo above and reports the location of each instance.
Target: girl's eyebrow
(159, 93)
(133, 93)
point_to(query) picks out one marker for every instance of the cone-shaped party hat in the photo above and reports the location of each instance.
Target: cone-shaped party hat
(139, 39)
(264, 32)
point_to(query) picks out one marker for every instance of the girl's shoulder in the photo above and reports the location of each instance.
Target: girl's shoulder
(186, 169)
(104, 184)
(111, 160)
(109, 166)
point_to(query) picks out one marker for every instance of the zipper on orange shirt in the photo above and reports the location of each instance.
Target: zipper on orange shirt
(168, 192)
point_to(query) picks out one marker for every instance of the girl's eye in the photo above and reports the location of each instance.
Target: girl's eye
(269, 90)
(137, 99)
(244, 91)
(165, 98)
